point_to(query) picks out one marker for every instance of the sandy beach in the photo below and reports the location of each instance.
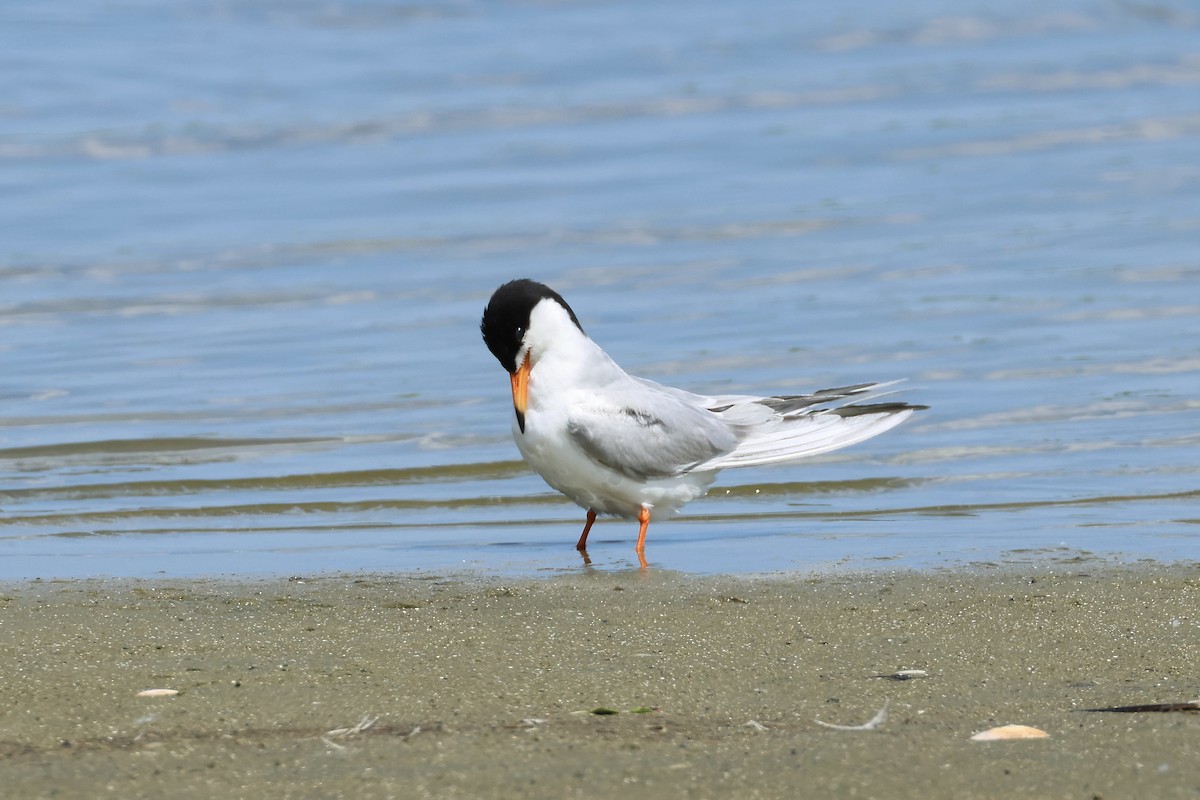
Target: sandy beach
(454, 686)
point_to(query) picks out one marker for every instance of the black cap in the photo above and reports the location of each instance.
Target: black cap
(506, 317)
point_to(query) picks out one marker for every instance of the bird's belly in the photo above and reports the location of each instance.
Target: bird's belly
(570, 470)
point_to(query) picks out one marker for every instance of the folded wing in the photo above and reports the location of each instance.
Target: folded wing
(650, 434)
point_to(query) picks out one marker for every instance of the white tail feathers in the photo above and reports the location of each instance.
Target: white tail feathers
(792, 427)
(792, 438)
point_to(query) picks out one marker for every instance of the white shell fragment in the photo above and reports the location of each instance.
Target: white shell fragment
(904, 675)
(363, 724)
(1005, 732)
(158, 693)
(870, 725)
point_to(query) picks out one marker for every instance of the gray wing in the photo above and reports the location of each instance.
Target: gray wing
(654, 435)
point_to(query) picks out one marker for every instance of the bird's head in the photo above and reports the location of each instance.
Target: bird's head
(511, 331)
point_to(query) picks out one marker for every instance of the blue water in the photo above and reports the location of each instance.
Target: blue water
(246, 246)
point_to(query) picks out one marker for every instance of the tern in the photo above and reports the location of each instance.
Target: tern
(624, 446)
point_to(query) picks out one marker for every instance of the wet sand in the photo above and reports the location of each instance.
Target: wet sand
(486, 688)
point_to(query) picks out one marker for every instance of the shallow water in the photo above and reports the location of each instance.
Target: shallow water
(246, 246)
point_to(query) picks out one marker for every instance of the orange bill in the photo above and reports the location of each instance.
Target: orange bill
(520, 389)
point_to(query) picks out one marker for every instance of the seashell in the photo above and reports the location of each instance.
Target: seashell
(905, 675)
(1005, 732)
(158, 693)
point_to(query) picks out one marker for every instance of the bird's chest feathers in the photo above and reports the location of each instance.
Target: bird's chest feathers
(557, 393)
(556, 385)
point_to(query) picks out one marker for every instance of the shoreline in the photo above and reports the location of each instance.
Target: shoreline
(469, 686)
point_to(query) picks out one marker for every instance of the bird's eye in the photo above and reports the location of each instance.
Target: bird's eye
(520, 332)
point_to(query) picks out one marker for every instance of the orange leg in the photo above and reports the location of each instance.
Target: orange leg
(581, 545)
(644, 520)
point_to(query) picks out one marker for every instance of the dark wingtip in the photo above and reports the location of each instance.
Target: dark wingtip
(874, 408)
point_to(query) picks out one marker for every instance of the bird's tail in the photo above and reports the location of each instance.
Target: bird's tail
(792, 427)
